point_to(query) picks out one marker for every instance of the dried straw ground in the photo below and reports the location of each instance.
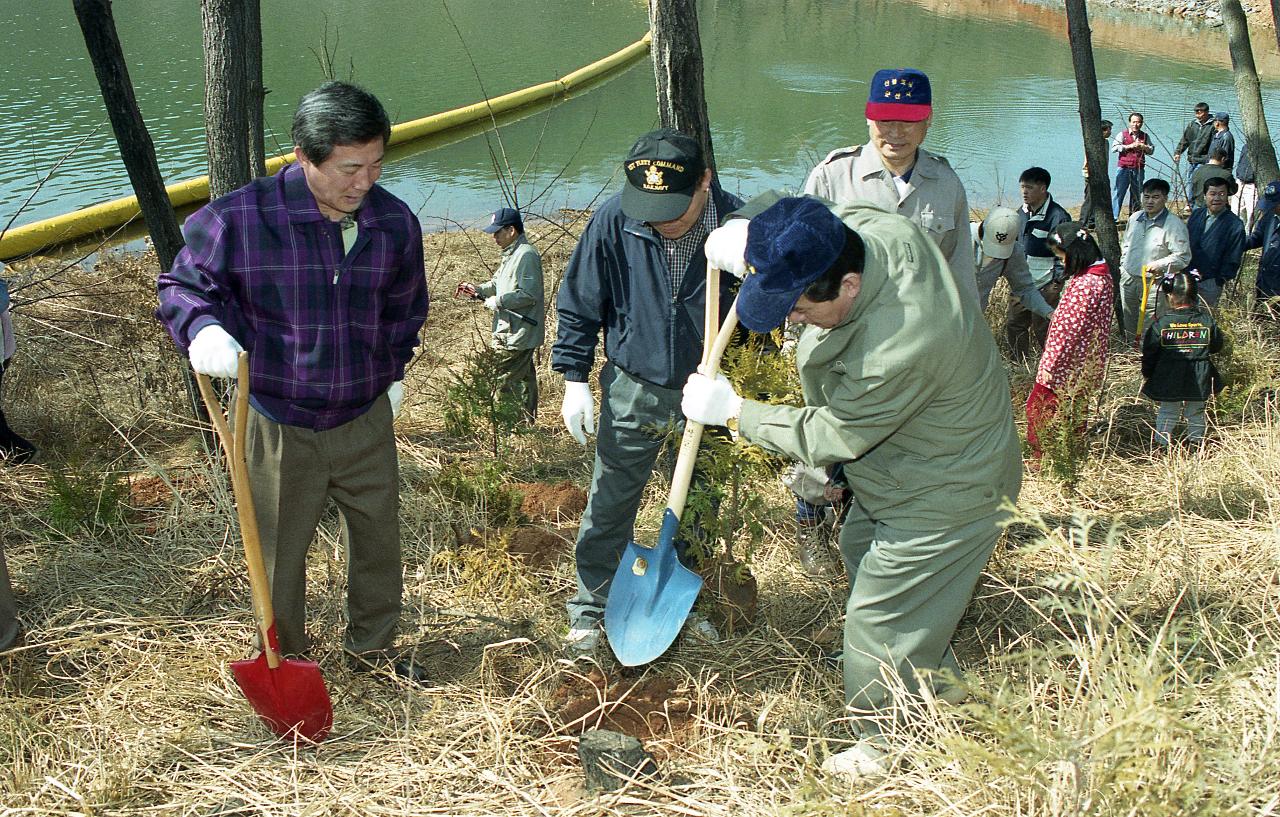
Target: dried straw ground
(1122, 648)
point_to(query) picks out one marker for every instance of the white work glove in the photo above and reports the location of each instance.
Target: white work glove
(491, 303)
(578, 410)
(726, 247)
(214, 353)
(710, 402)
(395, 393)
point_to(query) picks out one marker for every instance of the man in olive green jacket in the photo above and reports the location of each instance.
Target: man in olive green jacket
(515, 295)
(904, 385)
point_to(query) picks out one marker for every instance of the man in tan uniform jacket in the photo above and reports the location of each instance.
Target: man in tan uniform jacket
(894, 173)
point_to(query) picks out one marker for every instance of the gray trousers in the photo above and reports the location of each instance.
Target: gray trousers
(294, 472)
(1170, 412)
(9, 627)
(1131, 301)
(634, 419)
(520, 379)
(907, 592)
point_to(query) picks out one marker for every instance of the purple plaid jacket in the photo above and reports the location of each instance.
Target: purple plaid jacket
(326, 334)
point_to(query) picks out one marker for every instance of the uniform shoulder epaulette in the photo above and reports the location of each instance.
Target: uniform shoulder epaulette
(838, 153)
(937, 157)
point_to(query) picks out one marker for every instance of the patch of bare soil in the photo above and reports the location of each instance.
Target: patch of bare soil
(558, 503)
(151, 492)
(645, 708)
(538, 547)
(736, 594)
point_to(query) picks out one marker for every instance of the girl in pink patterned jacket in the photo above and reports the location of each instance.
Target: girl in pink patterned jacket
(1075, 352)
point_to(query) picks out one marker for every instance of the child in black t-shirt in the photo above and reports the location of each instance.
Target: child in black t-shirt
(1176, 366)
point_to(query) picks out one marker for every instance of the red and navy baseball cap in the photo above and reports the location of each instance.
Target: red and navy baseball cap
(900, 94)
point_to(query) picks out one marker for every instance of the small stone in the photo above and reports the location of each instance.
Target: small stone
(610, 758)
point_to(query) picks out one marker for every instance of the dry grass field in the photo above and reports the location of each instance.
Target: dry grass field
(1123, 650)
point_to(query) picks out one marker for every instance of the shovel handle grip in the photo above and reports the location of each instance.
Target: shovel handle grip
(713, 351)
(233, 447)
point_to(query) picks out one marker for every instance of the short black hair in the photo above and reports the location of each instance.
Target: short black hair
(852, 258)
(1202, 106)
(1217, 181)
(1218, 153)
(338, 113)
(1035, 175)
(1106, 123)
(1157, 185)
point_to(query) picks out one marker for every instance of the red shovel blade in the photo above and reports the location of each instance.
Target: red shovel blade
(290, 699)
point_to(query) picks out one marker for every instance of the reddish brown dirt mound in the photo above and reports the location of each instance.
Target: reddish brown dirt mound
(150, 491)
(641, 707)
(538, 547)
(543, 501)
(736, 595)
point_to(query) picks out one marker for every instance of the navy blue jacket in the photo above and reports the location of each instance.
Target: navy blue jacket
(617, 281)
(1217, 251)
(1266, 234)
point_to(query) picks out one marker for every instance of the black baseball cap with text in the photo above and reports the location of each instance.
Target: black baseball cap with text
(663, 170)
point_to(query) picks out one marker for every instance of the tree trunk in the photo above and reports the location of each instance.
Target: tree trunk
(226, 102)
(254, 87)
(677, 67)
(136, 150)
(1095, 147)
(1249, 93)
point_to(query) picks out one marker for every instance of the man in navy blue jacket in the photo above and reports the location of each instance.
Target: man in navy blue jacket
(1217, 240)
(1266, 234)
(639, 274)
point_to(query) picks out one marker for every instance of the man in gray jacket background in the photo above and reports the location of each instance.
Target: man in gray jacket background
(515, 296)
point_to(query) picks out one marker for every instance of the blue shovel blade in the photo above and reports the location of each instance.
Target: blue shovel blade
(650, 598)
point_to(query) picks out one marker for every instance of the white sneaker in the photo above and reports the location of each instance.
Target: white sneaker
(860, 762)
(584, 636)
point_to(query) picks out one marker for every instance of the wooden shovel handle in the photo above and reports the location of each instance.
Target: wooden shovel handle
(233, 447)
(713, 346)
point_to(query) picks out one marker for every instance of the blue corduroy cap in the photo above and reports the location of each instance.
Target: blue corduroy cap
(790, 245)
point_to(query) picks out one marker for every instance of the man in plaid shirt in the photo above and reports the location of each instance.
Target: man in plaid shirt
(317, 272)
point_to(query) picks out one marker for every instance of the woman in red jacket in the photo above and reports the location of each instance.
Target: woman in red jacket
(1075, 352)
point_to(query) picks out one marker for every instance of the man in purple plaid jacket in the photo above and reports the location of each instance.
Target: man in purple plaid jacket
(317, 272)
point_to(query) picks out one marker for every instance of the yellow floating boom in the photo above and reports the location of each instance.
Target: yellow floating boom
(40, 235)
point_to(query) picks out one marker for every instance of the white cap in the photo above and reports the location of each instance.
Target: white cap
(1000, 232)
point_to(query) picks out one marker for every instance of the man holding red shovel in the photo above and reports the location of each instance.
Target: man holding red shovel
(317, 272)
(902, 384)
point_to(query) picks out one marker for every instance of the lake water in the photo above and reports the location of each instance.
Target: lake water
(786, 81)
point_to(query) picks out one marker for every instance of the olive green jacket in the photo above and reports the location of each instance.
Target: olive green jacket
(518, 285)
(909, 391)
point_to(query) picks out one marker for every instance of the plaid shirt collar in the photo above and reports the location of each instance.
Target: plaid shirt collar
(374, 213)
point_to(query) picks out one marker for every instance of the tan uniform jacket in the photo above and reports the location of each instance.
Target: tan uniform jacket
(909, 392)
(935, 199)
